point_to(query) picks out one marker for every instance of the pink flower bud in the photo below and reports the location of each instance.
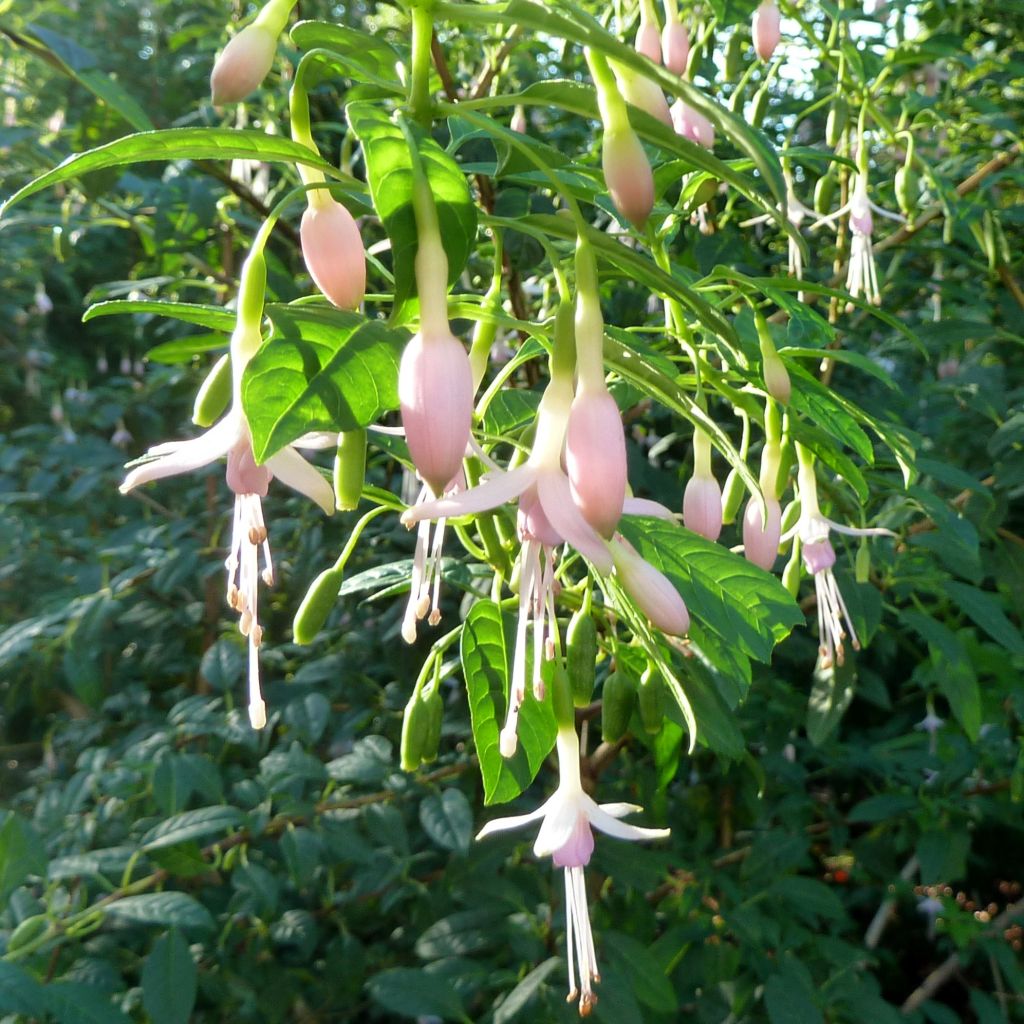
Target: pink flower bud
(627, 173)
(760, 540)
(776, 379)
(333, 251)
(644, 93)
(647, 41)
(653, 593)
(675, 47)
(243, 64)
(435, 392)
(766, 29)
(702, 506)
(692, 125)
(595, 459)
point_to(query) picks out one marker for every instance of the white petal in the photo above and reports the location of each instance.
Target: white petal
(302, 476)
(604, 822)
(620, 810)
(646, 507)
(567, 520)
(495, 490)
(853, 531)
(557, 829)
(176, 457)
(517, 821)
(317, 440)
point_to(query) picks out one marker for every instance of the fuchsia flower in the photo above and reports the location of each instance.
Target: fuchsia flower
(230, 437)
(568, 818)
(760, 538)
(653, 593)
(796, 213)
(767, 29)
(647, 39)
(702, 506)
(243, 64)
(628, 175)
(862, 275)
(333, 251)
(812, 529)
(675, 46)
(595, 458)
(692, 125)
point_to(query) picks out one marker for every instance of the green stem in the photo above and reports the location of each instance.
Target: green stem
(419, 82)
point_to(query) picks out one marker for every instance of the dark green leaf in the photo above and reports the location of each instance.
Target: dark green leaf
(169, 980)
(415, 993)
(448, 819)
(171, 909)
(180, 828)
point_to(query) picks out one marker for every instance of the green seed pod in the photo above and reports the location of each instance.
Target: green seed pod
(581, 654)
(906, 184)
(790, 514)
(617, 698)
(432, 722)
(651, 700)
(317, 605)
(28, 931)
(862, 565)
(791, 574)
(562, 694)
(824, 193)
(415, 725)
(349, 469)
(732, 497)
(760, 106)
(734, 52)
(214, 394)
(838, 118)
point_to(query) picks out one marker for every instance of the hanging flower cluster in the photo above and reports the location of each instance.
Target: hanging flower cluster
(569, 478)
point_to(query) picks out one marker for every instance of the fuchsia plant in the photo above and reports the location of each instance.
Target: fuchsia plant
(574, 530)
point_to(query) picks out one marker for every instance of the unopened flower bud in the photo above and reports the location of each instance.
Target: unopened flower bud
(435, 392)
(643, 92)
(595, 459)
(766, 29)
(692, 125)
(653, 592)
(760, 538)
(675, 47)
(243, 64)
(333, 251)
(627, 173)
(647, 41)
(702, 506)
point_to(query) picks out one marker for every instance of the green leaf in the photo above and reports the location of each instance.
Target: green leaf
(984, 610)
(389, 172)
(410, 992)
(169, 980)
(173, 144)
(215, 317)
(448, 819)
(72, 1002)
(461, 934)
(180, 828)
(882, 807)
(521, 995)
(21, 854)
(943, 854)
(323, 370)
(486, 666)
(788, 1003)
(20, 992)
(646, 974)
(175, 909)
(362, 56)
(830, 696)
(742, 605)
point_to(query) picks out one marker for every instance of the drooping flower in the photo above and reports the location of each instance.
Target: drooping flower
(702, 499)
(244, 62)
(653, 593)
(332, 249)
(595, 458)
(230, 437)
(813, 529)
(796, 213)
(647, 39)
(675, 46)
(761, 536)
(628, 175)
(692, 125)
(766, 29)
(568, 818)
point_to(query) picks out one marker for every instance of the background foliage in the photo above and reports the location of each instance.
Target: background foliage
(160, 861)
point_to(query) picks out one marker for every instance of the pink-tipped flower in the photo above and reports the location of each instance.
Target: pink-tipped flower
(692, 125)
(702, 506)
(767, 29)
(333, 250)
(675, 46)
(568, 818)
(230, 437)
(435, 392)
(647, 40)
(628, 175)
(652, 592)
(644, 93)
(760, 538)
(243, 64)
(595, 458)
